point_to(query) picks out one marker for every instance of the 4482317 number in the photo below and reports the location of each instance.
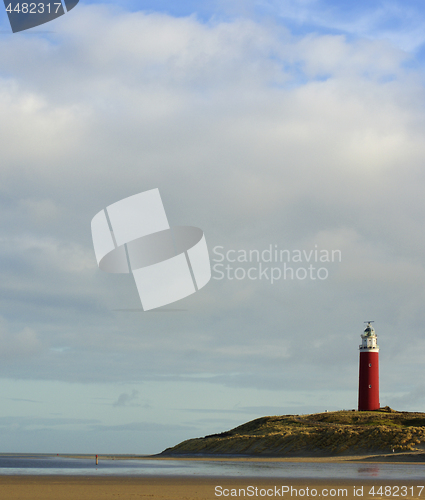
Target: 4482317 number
(34, 8)
(396, 491)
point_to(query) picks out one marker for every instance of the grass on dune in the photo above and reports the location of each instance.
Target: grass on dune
(320, 434)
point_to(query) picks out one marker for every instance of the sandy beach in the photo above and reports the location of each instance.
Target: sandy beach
(61, 487)
(179, 488)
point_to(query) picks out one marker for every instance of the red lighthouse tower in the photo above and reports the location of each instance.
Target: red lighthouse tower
(369, 370)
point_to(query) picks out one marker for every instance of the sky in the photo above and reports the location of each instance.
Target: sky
(291, 125)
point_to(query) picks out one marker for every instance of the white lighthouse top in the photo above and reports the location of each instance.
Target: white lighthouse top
(369, 339)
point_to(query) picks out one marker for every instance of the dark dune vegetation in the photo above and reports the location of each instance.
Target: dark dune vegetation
(318, 435)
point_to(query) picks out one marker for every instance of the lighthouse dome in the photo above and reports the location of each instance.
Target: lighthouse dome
(369, 331)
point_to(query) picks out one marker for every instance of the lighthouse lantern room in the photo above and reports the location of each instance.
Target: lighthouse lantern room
(369, 370)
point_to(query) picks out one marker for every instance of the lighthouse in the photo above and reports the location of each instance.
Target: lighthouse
(369, 370)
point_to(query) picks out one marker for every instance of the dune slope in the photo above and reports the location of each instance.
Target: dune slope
(321, 434)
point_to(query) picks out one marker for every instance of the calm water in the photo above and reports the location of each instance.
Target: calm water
(43, 464)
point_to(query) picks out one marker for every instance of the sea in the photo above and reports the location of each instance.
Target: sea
(39, 464)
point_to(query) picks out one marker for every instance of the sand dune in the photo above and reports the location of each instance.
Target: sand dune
(318, 435)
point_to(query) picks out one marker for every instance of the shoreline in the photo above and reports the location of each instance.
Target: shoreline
(402, 458)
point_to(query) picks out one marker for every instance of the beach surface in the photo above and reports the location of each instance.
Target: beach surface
(200, 488)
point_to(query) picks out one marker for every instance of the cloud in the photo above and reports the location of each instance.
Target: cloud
(410, 400)
(124, 398)
(259, 137)
(20, 345)
(401, 23)
(23, 400)
(19, 423)
(144, 427)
